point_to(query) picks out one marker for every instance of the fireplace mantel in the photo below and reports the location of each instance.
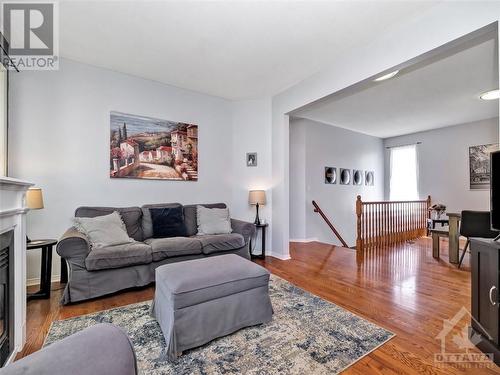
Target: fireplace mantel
(13, 217)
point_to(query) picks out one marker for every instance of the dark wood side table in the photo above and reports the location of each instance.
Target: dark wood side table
(263, 254)
(46, 268)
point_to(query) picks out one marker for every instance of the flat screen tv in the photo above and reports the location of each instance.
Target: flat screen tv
(495, 189)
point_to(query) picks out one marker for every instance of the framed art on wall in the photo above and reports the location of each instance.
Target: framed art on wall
(330, 175)
(369, 178)
(357, 177)
(345, 176)
(149, 148)
(479, 165)
(251, 159)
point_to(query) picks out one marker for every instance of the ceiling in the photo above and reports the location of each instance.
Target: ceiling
(429, 95)
(231, 49)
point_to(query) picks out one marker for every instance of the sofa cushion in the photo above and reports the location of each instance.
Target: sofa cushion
(190, 216)
(131, 216)
(147, 222)
(173, 246)
(213, 243)
(118, 256)
(195, 281)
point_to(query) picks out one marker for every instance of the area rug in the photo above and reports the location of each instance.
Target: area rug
(307, 335)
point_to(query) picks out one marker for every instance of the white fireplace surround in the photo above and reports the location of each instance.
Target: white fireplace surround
(13, 217)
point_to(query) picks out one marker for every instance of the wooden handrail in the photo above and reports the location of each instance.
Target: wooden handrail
(335, 231)
(385, 223)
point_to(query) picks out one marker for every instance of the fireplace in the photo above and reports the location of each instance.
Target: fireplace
(12, 267)
(6, 296)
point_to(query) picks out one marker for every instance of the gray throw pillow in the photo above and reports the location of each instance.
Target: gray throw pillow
(213, 220)
(102, 231)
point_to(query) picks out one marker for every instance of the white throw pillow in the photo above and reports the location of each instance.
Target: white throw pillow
(102, 231)
(213, 220)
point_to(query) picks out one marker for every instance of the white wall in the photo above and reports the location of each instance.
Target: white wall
(251, 133)
(444, 163)
(326, 145)
(59, 139)
(298, 203)
(442, 23)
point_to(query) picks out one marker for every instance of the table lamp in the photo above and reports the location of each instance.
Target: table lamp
(34, 201)
(257, 198)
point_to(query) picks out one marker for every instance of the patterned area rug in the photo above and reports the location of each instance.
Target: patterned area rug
(307, 335)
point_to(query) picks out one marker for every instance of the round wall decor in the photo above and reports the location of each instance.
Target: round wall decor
(357, 177)
(345, 176)
(330, 175)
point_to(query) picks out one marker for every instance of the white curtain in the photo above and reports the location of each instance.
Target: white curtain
(404, 173)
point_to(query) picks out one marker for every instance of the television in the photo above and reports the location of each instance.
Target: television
(495, 190)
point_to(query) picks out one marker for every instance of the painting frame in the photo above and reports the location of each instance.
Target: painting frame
(345, 176)
(479, 165)
(251, 159)
(143, 147)
(369, 178)
(330, 175)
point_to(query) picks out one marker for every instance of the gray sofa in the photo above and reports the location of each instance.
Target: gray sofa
(97, 272)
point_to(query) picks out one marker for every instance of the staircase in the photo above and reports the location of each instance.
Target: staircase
(329, 223)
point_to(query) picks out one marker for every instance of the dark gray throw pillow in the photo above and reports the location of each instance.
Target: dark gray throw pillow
(168, 222)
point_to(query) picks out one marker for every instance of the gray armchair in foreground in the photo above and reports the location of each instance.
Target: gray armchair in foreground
(102, 349)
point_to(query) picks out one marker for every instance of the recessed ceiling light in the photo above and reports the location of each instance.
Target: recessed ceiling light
(386, 76)
(490, 95)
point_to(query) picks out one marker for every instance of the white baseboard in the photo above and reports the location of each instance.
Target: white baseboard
(312, 239)
(281, 257)
(36, 280)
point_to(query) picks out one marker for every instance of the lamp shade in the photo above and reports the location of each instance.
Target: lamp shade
(34, 198)
(257, 197)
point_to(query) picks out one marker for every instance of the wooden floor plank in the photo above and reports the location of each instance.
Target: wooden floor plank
(401, 288)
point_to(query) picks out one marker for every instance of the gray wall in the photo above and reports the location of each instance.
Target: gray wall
(444, 163)
(313, 146)
(59, 139)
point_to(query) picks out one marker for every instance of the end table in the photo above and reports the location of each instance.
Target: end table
(263, 254)
(46, 268)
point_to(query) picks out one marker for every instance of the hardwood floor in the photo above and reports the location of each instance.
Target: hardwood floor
(402, 289)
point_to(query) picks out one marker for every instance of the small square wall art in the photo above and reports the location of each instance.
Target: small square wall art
(330, 175)
(369, 178)
(345, 176)
(251, 159)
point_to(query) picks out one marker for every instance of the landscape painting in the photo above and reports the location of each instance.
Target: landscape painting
(479, 166)
(150, 148)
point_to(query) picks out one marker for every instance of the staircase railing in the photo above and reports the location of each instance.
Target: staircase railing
(389, 222)
(329, 223)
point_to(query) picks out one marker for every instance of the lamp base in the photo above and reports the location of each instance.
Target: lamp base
(257, 220)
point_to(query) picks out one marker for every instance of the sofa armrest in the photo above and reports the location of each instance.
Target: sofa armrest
(73, 246)
(247, 230)
(99, 349)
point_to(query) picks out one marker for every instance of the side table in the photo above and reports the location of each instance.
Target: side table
(263, 229)
(46, 267)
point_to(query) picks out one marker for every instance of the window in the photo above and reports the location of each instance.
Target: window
(404, 173)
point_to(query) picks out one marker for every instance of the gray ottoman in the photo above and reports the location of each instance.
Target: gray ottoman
(199, 300)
